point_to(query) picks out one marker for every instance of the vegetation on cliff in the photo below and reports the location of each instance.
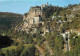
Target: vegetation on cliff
(36, 44)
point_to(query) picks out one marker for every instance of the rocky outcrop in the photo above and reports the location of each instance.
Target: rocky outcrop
(33, 17)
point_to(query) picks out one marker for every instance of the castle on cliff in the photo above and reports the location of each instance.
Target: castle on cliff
(34, 16)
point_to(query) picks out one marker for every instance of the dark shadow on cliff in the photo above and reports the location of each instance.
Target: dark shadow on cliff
(5, 41)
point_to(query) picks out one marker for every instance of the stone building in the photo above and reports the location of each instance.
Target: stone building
(44, 5)
(66, 37)
(34, 11)
(33, 18)
(77, 8)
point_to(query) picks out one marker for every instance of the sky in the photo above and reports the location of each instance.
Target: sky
(23, 6)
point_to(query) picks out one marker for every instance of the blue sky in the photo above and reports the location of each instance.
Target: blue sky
(23, 6)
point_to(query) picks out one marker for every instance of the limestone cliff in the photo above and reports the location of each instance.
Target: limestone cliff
(34, 11)
(33, 17)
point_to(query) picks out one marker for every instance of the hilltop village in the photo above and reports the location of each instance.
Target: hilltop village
(45, 30)
(34, 20)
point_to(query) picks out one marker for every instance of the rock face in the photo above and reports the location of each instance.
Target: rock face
(34, 16)
(77, 8)
(34, 11)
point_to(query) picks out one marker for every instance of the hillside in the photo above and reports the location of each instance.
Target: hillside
(50, 10)
(9, 20)
(46, 31)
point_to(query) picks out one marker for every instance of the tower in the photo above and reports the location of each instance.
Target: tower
(47, 4)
